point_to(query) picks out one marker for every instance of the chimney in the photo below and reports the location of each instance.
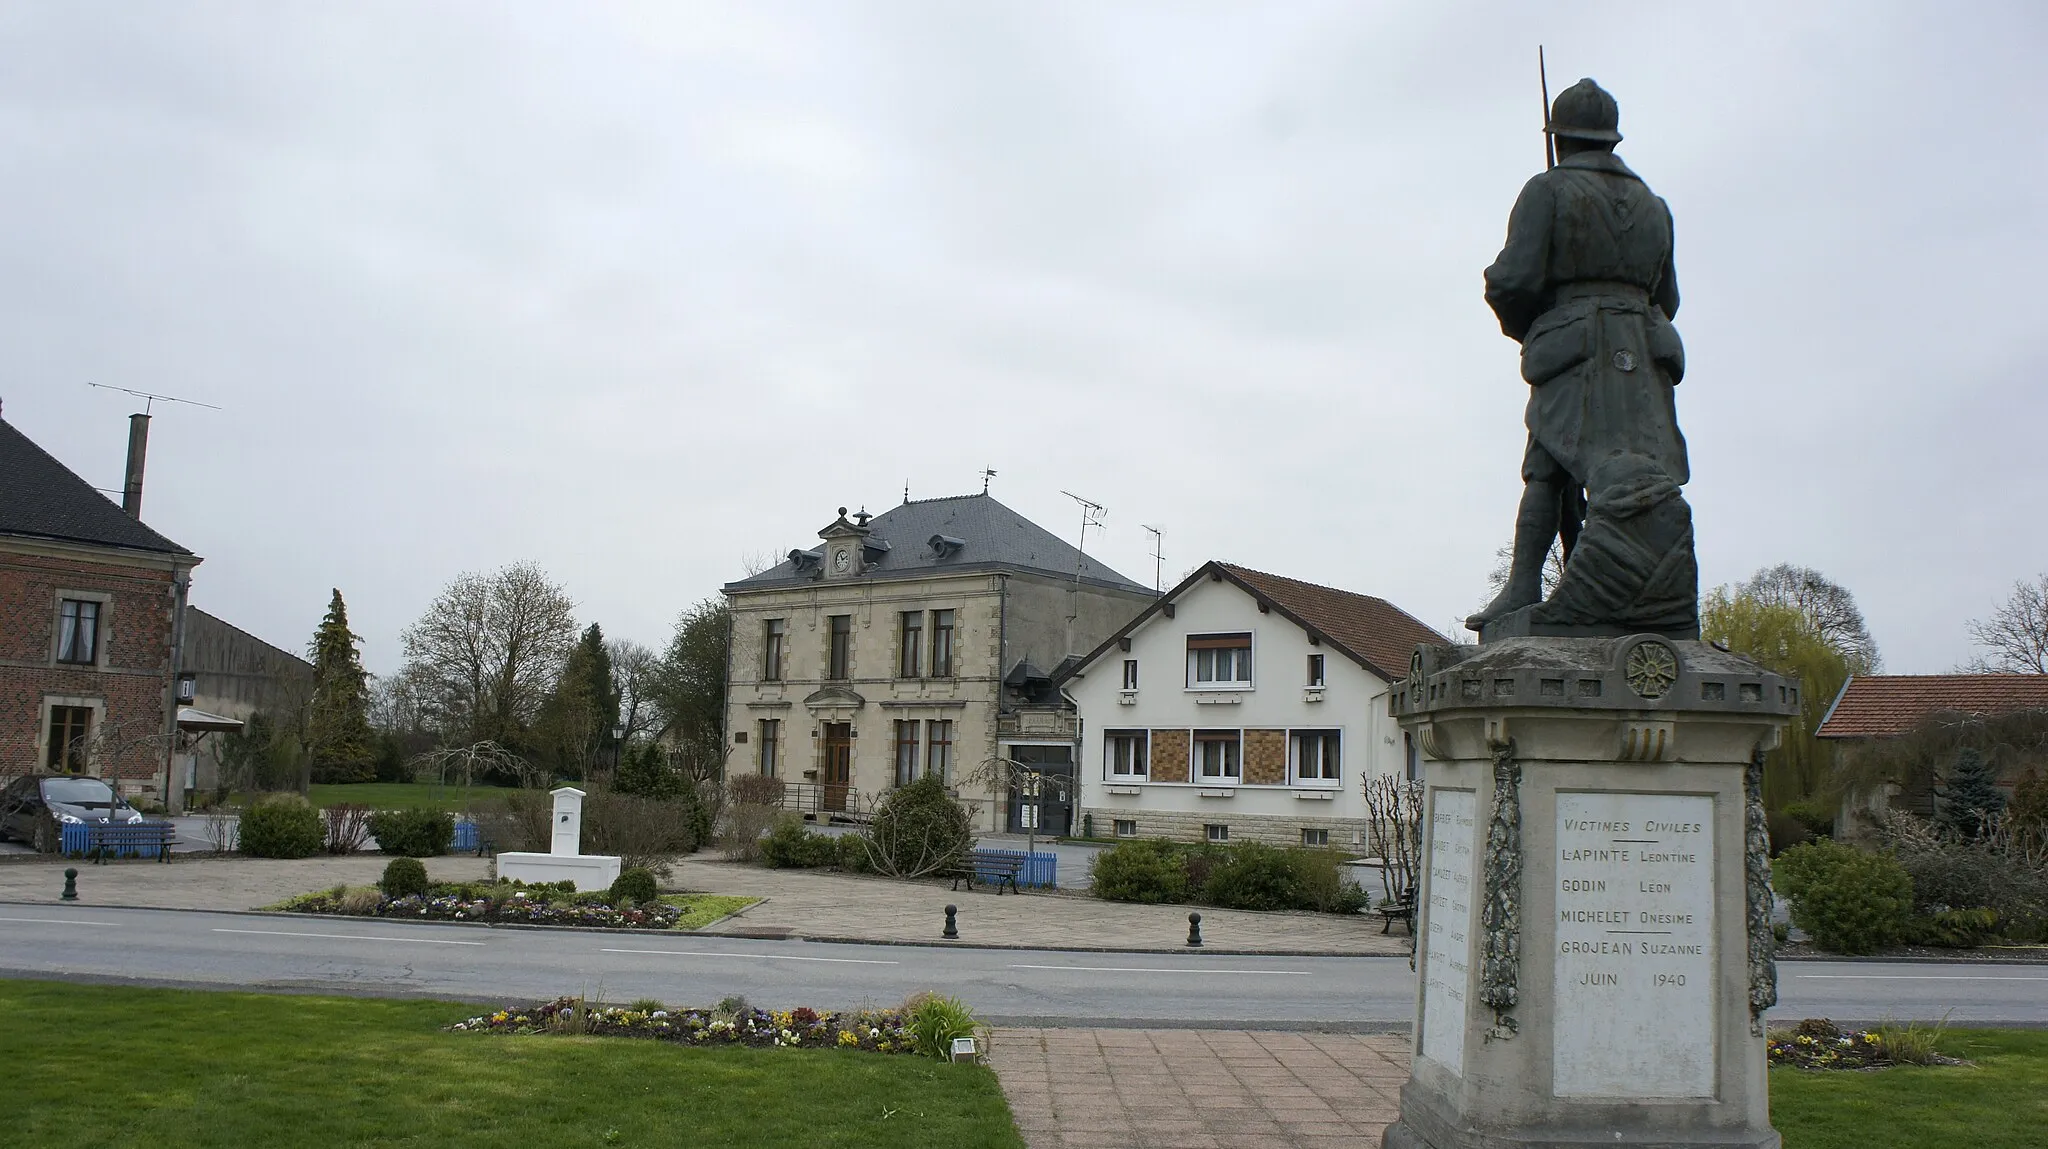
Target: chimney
(138, 446)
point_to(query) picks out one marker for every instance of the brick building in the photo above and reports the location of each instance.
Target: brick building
(90, 602)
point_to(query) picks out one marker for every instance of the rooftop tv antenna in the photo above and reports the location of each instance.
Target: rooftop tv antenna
(1092, 514)
(1158, 556)
(149, 399)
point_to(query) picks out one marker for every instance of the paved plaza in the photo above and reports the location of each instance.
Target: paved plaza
(805, 904)
(1199, 1088)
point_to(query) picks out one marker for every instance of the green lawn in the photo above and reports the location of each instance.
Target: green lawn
(396, 795)
(96, 1065)
(700, 910)
(2001, 1102)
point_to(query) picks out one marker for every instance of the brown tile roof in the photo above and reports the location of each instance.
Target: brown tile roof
(1372, 630)
(1888, 705)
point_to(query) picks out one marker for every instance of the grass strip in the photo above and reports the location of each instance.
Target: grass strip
(1998, 1102)
(98, 1065)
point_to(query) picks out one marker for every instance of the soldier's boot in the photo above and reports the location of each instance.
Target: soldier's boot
(1536, 526)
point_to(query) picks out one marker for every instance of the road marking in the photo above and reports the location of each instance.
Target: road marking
(350, 937)
(1909, 977)
(1156, 969)
(751, 957)
(59, 921)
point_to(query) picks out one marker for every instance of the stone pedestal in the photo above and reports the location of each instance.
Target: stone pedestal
(1594, 945)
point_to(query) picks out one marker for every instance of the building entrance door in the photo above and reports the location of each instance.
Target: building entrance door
(1050, 812)
(837, 775)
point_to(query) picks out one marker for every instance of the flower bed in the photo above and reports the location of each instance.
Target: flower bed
(1818, 1043)
(876, 1031)
(525, 905)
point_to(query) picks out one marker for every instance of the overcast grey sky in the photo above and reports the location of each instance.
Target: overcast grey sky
(634, 291)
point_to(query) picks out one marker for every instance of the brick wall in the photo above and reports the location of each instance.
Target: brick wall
(1265, 757)
(1170, 749)
(130, 681)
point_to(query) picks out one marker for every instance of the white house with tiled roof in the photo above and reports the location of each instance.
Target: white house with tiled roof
(1243, 705)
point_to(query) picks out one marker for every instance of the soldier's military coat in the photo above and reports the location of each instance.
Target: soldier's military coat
(1587, 285)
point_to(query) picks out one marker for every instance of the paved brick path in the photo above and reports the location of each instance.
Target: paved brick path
(800, 903)
(1199, 1089)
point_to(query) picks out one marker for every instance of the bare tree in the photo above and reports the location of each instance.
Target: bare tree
(1394, 832)
(463, 765)
(633, 669)
(1002, 777)
(1828, 606)
(488, 650)
(1503, 563)
(2015, 637)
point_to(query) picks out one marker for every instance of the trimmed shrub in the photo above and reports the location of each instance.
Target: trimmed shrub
(1814, 815)
(1322, 883)
(282, 826)
(403, 878)
(792, 847)
(919, 829)
(1785, 831)
(413, 833)
(1151, 872)
(1253, 876)
(1850, 902)
(632, 887)
(853, 854)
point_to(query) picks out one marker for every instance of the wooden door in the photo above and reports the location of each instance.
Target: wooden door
(838, 772)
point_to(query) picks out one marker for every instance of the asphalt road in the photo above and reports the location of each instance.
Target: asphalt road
(1041, 987)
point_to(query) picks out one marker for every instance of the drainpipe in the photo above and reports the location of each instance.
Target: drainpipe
(998, 802)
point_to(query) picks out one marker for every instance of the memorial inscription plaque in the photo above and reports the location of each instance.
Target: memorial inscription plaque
(1447, 953)
(1635, 946)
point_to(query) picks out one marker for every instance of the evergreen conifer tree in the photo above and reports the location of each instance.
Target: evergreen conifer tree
(1971, 798)
(338, 719)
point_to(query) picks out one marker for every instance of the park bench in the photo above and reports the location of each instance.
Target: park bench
(128, 839)
(1401, 909)
(995, 869)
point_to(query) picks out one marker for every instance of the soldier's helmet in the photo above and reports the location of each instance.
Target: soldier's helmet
(1585, 111)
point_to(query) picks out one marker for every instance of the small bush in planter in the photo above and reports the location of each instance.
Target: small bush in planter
(404, 878)
(1849, 901)
(933, 1022)
(1142, 871)
(634, 886)
(282, 826)
(413, 833)
(1253, 876)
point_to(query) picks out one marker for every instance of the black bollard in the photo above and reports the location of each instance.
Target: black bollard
(952, 922)
(1194, 929)
(70, 885)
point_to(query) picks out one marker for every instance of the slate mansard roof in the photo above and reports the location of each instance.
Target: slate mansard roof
(1370, 631)
(42, 498)
(1888, 705)
(975, 533)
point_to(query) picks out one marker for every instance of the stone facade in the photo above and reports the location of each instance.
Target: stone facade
(895, 693)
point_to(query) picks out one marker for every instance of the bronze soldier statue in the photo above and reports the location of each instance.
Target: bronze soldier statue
(1587, 285)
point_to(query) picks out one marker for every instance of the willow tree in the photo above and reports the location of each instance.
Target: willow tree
(1811, 634)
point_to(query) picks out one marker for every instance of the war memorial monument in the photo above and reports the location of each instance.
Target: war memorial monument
(1594, 938)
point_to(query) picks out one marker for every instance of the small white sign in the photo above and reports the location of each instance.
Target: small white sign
(1447, 946)
(1635, 946)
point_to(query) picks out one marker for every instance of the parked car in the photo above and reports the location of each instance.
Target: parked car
(65, 799)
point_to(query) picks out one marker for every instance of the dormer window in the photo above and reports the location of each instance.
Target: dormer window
(945, 546)
(1219, 661)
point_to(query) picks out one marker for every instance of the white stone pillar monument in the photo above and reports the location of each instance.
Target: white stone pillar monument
(568, 837)
(1594, 948)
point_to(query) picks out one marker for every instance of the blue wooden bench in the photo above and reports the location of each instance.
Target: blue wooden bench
(989, 868)
(101, 840)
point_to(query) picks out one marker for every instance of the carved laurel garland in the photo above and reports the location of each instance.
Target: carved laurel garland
(1763, 944)
(1501, 914)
